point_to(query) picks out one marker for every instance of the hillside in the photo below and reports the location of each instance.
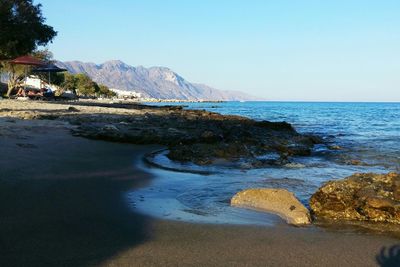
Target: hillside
(155, 82)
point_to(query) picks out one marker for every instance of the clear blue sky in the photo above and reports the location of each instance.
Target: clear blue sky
(279, 50)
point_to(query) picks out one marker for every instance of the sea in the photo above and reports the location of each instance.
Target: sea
(359, 138)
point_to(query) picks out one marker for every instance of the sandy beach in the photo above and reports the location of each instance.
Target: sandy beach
(62, 204)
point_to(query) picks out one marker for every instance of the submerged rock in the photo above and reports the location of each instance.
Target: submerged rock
(278, 201)
(335, 147)
(362, 197)
(73, 109)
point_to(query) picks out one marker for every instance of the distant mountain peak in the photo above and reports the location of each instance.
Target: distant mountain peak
(155, 82)
(115, 64)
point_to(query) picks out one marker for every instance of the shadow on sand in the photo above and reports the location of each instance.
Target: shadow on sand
(61, 201)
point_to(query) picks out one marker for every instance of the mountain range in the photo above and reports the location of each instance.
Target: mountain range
(153, 82)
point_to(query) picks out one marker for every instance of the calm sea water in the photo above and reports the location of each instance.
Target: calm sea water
(368, 134)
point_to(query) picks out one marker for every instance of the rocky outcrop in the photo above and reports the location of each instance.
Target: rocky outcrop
(360, 197)
(201, 137)
(277, 201)
(196, 136)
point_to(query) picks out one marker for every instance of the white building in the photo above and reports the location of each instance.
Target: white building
(126, 94)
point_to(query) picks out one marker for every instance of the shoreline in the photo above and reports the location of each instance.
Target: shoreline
(62, 204)
(196, 136)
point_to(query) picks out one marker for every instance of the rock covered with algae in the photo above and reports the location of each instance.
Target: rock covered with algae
(360, 197)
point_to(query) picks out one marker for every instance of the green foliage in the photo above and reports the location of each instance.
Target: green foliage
(57, 78)
(70, 82)
(105, 91)
(44, 55)
(83, 85)
(22, 28)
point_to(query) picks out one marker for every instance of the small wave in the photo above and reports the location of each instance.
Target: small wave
(158, 159)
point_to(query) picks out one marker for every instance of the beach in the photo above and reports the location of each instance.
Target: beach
(62, 204)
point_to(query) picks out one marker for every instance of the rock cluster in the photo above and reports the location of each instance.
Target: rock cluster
(202, 137)
(360, 197)
(196, 136)
(278, 201)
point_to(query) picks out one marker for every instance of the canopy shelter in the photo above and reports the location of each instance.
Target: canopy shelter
(50, 68)
(28, 61)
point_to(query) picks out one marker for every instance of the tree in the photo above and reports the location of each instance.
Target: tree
(44, 55)
(70, 82)
(104, 91)
(58, 79)
(22, 28)
(16, 73)
(85, 86)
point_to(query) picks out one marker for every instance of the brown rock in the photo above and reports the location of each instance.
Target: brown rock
(396, 189)
(209, 137)
(355, 162)
(278, 201)
(363, 197)
(380, 203)
(73, 109)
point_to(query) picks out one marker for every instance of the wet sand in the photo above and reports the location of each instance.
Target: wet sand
(61, 204)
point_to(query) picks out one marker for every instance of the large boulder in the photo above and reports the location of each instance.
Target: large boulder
(361, 197)
(277, 201)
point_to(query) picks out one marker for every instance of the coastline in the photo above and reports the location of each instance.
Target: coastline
(62, 204)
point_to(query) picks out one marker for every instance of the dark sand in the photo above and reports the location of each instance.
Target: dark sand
(61, 204)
